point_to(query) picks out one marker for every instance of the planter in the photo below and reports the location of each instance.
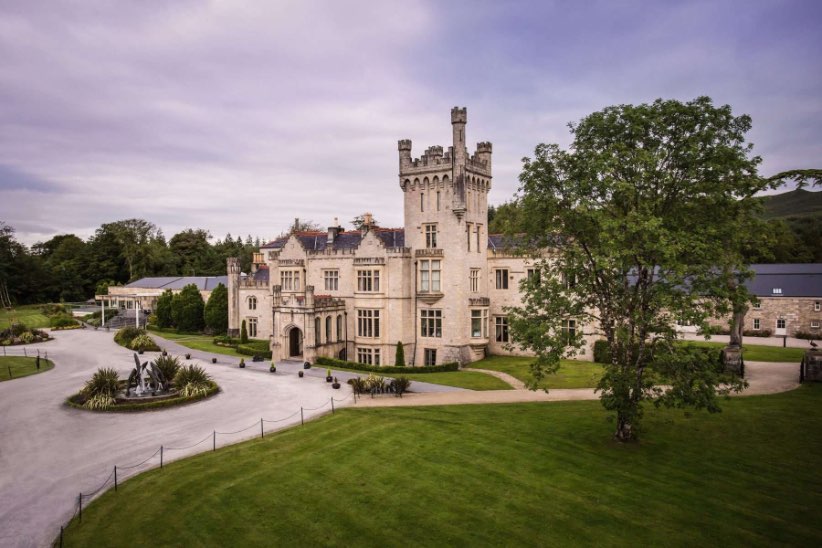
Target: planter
(242, 364)
(328, 379)
(335, 386)
(213, 360)
(300, 374)
(307, 365)
(188, 356)
(273, 369)
(140, 351)
(165, 353)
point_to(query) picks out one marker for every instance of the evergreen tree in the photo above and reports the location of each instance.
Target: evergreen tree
(216, 310)
(164, 309)
(187, 309)
(243, 333)
(399, 359)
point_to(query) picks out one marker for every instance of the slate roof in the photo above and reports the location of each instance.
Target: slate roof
(794, 280)
(318, 241)
(203, 283)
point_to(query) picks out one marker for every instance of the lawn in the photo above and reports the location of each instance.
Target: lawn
(471, 380)
(571, 373)
(543, 474)
(29, 316)
(21, 366)
(758, 352)
(197, 342)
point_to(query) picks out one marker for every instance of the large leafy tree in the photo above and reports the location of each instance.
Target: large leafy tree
(194, 255)
(216, 310)
(644, 220)
(187, 309)
(164, 309)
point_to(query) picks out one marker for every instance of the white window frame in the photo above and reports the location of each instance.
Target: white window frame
(814, 324)
(569, 327)
(776, 291)
(473, 280)
(757, 324)
(368, 281)
(251, 326)
(757, 305)
(430, 276)
(502, 332)
(784, 323)
(817, 306)
(430, 231)
(479, 323)
(290, 280)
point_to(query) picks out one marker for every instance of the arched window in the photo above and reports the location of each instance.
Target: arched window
(328, 337)
(317, 332)
(252, 303)
(339, 328)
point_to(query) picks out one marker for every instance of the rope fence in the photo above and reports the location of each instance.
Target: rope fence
(115, 477)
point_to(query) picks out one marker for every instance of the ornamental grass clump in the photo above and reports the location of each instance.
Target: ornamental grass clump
(100, 390)
(143, 342)
(192, 380)
(168, 366)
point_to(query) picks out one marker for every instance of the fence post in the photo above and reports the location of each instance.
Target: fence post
(61, 536)
(80, 503)
(115, 477)
(161, 456)
(24, 352)
(9, 371)
(262, 432)
(332, 405)
(302, 418)
(214, 441)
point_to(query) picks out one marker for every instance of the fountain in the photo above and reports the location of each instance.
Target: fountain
(146, 381)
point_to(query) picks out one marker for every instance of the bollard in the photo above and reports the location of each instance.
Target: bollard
(262, 432)
(214, 441)
(115, 478)
(61, 536)
(9, 371)
(24, 352)
(332, 405)
(302, 418)
(161, 456)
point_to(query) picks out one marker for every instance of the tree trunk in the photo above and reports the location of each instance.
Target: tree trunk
(624, 431)
(737, 325)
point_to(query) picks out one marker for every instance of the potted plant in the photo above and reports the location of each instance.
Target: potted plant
(213, 360)
(307, 365)
(140, 350)
(242, 363)
(300, 374)
(164, 352)
(273, 368)
(336, 384)
(328, 375)
(188, 356)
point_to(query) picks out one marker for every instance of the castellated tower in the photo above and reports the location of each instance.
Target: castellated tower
(446, 225)
(233, 264)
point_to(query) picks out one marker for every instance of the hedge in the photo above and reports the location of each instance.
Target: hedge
(332, 362)
(602, 354)
(251, 349)
(77, 400)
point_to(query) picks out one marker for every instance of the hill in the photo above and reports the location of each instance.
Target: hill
(796, 203)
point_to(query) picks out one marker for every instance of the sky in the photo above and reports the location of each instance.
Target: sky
(237, 117)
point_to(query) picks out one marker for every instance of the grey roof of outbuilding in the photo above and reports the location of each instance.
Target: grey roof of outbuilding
(203, 283)
(793, 280)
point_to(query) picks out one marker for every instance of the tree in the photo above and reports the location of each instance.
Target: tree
(360, 221)
(243, 333)
(187, 309)
(164, 309)
(216, 310)
(507, 218)
(134, 237)
(194, 255)
(643, 225)
(399, 358)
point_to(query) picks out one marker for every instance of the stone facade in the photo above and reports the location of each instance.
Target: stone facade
(431, 286)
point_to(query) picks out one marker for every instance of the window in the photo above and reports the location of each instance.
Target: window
(438, 200)
(757, 305)
(431, 323)
(814, 324)
(251, 323)
(430, 356)
(368, 323)
(479, 230)
(368, 356)
(502, 278)
(817, 306)
(777, 291)
(501, 329)
(332, 279)
(756, 324)
(339, 328)
(317, 332)
(429, 276)
(290, 280)
(368, 281)
(479, 323)
(328, 334)
(569, 329)
(569, 279)
(533, 275)
(422, 201)
(468, 234)
(431, 235)
(252, 303)
(473, 280)
(780, 323)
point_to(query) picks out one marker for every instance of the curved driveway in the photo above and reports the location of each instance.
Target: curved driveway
(50, 452)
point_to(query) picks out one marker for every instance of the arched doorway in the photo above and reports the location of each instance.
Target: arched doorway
(295, 342)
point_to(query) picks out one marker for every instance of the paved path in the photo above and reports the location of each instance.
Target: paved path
(505, 377)
(763, 378)
(50, 452)
(790, 342)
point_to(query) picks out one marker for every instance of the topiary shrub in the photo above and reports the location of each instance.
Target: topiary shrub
(399, 359)
(243, 333)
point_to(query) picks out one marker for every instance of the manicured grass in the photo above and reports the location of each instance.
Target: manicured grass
(471, 380)
(758, 352)
(526, 474)
(197, 342)
(571, 373)
(21, 366)
(29, 316)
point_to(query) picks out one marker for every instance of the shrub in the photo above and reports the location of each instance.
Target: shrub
(400, 385)
(243, 333)
(27, 337)
(100, 402)
(62, 320)
(357, 385)
(255, 348)
(387, 369)
(53, 309)
(125, 335)
(163, 309)
(757, 333)
(168, 366)
(399, 358)
(191, 374)
(806, 335)
(143, 342)
(103, 382)
(602, 354)
(193, 389)
(187, 309)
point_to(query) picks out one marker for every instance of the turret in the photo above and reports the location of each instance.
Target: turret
(404, 146)
(484, 153)
(233, 268)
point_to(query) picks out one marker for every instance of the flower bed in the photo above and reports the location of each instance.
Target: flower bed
(78, 401)
(331, 362)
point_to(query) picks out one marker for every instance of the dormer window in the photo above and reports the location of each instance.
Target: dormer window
(777, 291)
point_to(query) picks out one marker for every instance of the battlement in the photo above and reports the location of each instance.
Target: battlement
(404, 144)
(484, 146)
(459, 115)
